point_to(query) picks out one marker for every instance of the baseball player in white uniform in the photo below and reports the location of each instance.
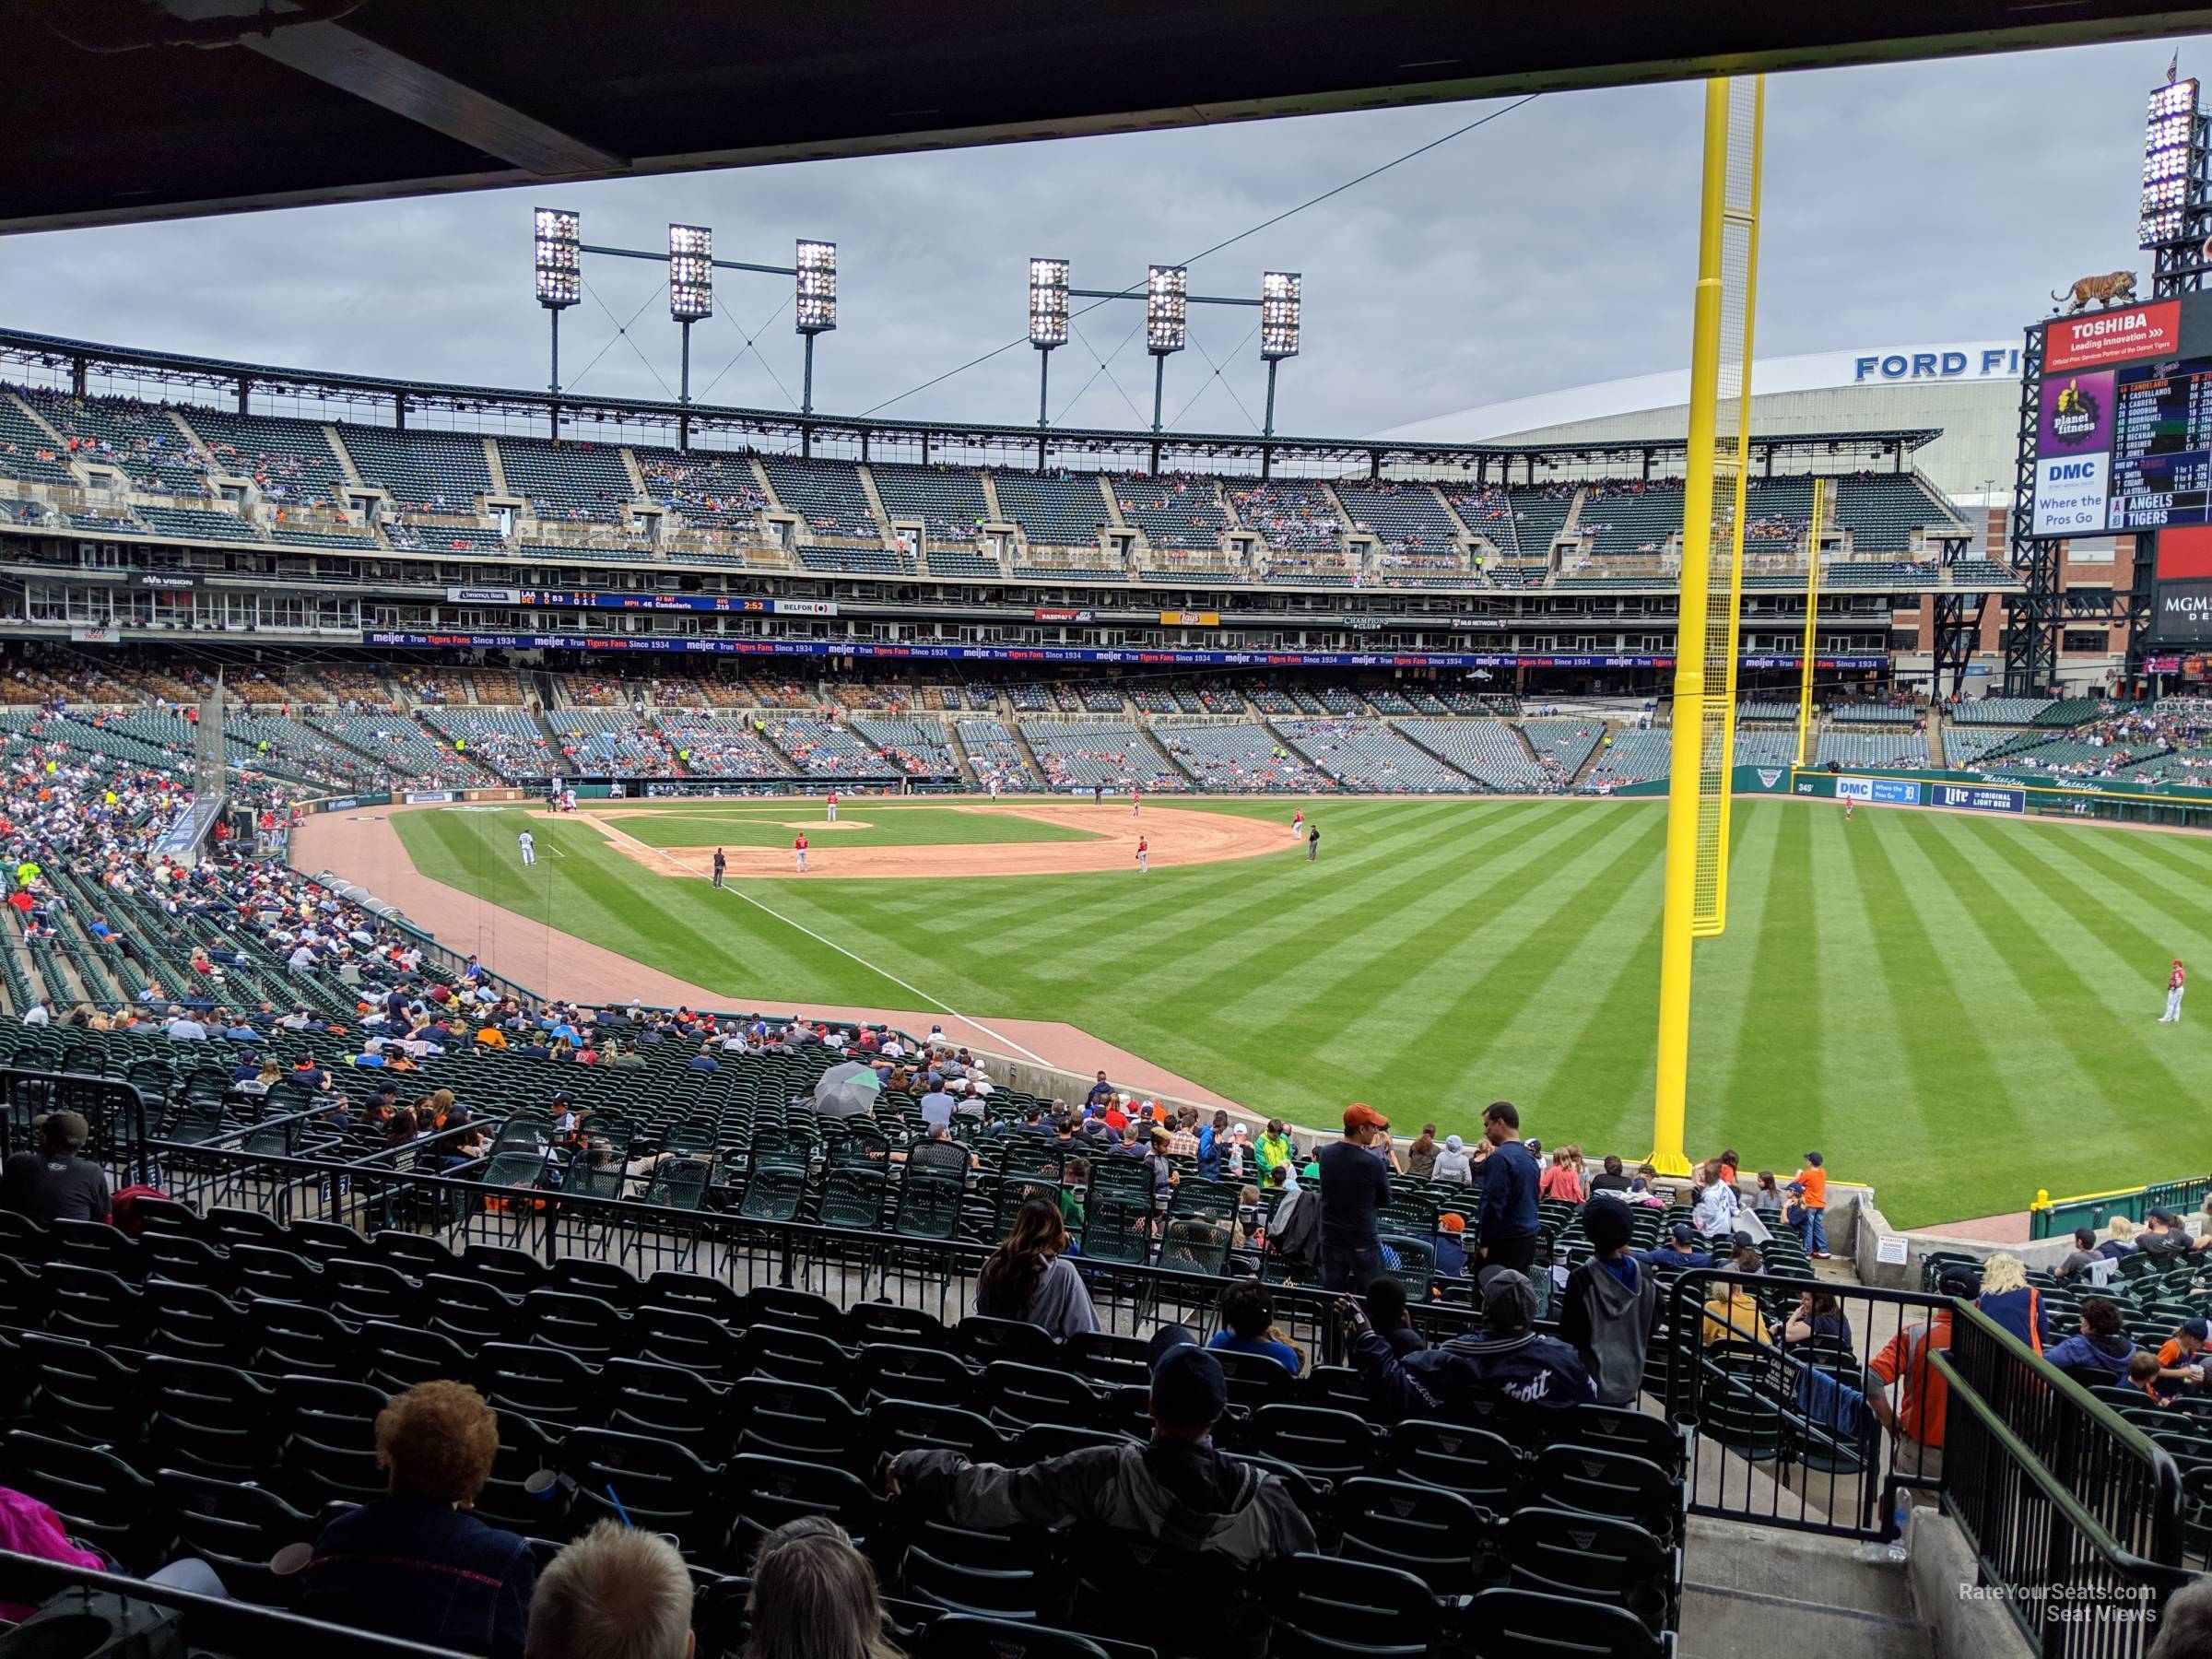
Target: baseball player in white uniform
(529, 844)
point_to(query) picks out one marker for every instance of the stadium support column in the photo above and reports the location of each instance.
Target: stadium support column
(1160, 385)
(1809, 653)
(2032, 618)
(1267, 427)
(807, 387)
(1699, 778)
(553, 383)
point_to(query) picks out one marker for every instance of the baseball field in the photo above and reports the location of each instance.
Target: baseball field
(1958, 1009)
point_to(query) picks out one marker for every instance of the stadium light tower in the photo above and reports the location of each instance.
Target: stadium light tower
(690, 285)
(2169, 158)
(1166, 323)
(1048, 319)
(1281, 301)
(816, 307)
(559, 264)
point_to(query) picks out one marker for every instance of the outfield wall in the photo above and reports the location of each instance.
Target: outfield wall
(2114, 798)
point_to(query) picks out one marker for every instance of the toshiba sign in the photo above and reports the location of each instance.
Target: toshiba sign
(2113, 336)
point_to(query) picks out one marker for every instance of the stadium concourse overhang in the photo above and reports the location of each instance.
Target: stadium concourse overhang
(89, 367)
(123, 111)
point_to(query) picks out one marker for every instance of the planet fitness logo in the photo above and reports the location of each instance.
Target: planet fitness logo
(2079, 416)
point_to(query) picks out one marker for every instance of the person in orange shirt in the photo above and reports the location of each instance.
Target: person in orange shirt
(491, 1037)
(1811, 1183)
(2182, 1358)
(1915, 1419)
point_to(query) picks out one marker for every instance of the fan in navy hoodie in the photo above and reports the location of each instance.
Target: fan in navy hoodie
(1508, 1358)
(417, 1565)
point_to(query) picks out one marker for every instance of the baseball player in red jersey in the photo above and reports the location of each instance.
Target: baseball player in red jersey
(798, 847)
(1298, 825)
(1137, 800)
(833, 806)
(1144, 855)
(2174, 983)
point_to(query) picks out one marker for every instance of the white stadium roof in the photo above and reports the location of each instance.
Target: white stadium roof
(1951, 363)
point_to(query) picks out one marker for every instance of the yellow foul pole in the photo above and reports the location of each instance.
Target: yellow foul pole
(1812, 624)
(1697, 817)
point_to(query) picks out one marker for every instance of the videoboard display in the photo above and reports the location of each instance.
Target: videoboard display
(2124, 444)
(2124, 437)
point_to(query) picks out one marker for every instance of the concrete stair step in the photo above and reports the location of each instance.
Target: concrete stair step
(1753, 1592)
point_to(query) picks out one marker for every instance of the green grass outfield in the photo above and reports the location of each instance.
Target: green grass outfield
(1959, 1009)
(751, 824)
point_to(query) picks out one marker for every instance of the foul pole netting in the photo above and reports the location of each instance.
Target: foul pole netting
(1728, 462)
(1715, 477)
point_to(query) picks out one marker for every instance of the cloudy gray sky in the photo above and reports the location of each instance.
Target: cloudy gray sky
(1551, 247)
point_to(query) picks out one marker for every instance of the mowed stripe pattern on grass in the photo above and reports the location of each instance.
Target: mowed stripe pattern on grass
(1935, 1002)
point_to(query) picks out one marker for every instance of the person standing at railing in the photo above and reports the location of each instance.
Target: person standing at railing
(1914, 1418)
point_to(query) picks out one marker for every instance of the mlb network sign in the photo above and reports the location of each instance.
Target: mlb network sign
(2071, 493)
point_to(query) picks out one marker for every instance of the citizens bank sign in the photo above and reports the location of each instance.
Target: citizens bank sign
(1954, 363)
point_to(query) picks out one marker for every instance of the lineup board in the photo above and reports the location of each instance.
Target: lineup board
(2161, 449)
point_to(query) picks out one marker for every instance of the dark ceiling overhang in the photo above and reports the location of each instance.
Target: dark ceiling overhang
(121, 111)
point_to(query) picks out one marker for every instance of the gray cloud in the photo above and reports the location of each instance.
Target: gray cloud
(1552, 247)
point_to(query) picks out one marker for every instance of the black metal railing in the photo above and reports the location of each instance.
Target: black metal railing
(160, 1618)
(2074, 1516)
(114, 1109)
(1772, 1374)
(2073, 1513)
(846, 1264)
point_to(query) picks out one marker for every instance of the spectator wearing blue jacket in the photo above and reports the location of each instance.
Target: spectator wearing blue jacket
(1506, 1359)
(1450, 1246)
(2101, 1346)
(1210, 1137)
(1680, 1252)
(1509, 1228)
(415, 1564)
(2008, 1297)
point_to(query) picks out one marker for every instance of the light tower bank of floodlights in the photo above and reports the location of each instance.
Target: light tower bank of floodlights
(1166, 298)
(2173, 225)
(691, 266)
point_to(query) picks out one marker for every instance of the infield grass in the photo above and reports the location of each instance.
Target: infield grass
(1961, 1010)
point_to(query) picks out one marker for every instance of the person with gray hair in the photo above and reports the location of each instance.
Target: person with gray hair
(2185, 1626)
(614, 1594)
(813, 1596)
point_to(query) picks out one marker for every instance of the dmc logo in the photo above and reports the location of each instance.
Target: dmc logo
(2059, 471)
(1768, 777)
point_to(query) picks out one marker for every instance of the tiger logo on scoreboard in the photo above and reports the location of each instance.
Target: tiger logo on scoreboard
(2113, 288)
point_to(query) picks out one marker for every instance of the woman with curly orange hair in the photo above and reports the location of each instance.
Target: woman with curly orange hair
(415, 1564)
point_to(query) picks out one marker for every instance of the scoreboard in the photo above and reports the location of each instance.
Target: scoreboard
(2161, 445)
(2124, 444)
